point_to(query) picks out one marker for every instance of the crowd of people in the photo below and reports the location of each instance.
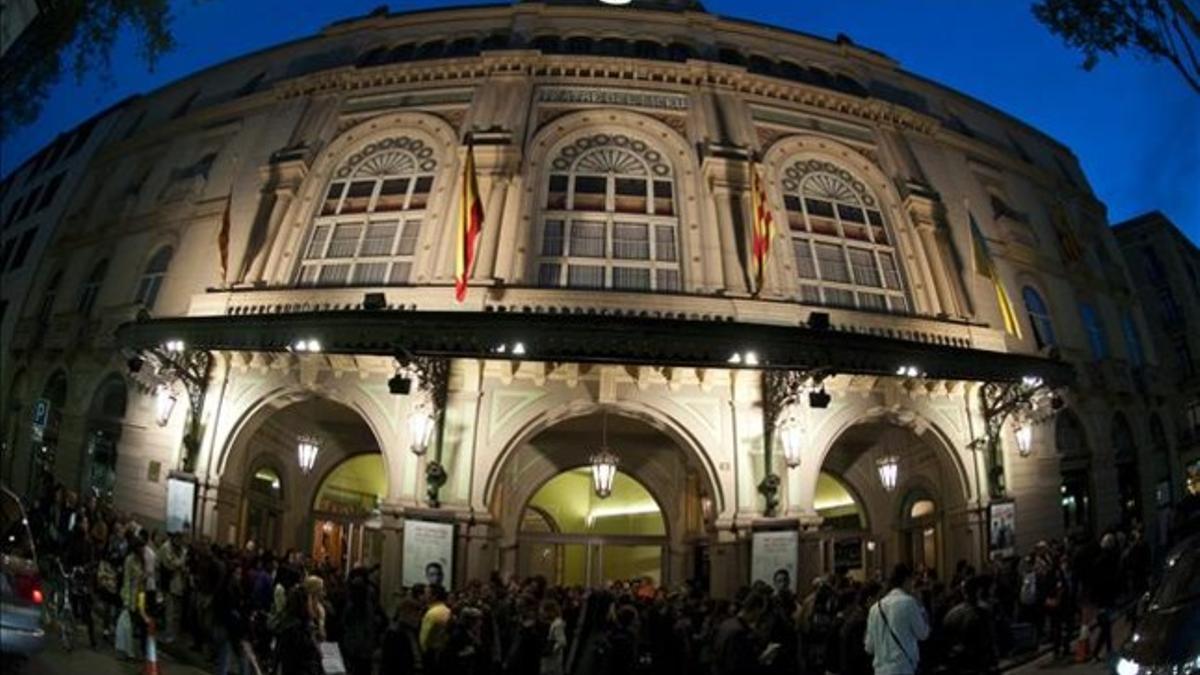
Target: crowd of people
(260, 613)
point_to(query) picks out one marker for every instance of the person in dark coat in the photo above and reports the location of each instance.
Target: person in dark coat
(737, 646)
(968, 633)
(360, 627)
(400, 643)
(620, 656)
(299, 653)
(852, 655)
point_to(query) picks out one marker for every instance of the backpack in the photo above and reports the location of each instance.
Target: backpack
(1029, 589)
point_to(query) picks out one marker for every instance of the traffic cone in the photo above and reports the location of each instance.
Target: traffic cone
(1082, 651)
(151, 651)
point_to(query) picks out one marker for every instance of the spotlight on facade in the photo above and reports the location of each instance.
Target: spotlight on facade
(421, 423)
(751, 358)
(311, 345)
(164, 404)
(135, 364)
(604, 471)
(735, 359)
(374, 301)
(791, 438)
(889, 471)
(615, 3)
(819, 398)
(519, 349)
(174, 346)
(400, 385)
(1031, 381)
(307, 449)
(1024, 434)
(908, 370)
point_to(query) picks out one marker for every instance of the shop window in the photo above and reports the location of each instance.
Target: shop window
(368, 223)
(610, 217)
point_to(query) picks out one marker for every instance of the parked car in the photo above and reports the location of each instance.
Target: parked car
(21, 592)
(1167, 639)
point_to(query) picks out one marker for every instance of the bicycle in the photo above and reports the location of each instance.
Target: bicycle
(59, 610)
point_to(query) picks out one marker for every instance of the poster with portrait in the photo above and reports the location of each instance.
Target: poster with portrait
(773, 558)
(428, 553)
(1002, 529)
(181, 497)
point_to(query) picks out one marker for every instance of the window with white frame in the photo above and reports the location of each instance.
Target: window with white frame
(152, 277)
(610, 218)
(844, 253)
(1039, 317)
(366, 229)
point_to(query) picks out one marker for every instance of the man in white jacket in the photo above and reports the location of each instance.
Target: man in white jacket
(895, 625)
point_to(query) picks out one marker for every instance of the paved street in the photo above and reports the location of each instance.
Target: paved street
(55, 661)
(1048, 666)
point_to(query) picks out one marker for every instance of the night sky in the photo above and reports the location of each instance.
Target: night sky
(1133, 123)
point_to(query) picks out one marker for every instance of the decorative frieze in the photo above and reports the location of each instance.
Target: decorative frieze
(612, 97)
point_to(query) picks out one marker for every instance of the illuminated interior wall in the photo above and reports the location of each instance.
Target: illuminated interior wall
(833, 500)
(569, 500)
(360, 479)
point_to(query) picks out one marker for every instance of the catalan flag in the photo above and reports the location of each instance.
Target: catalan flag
(470, 222)
(223, 241)
(1067, 243)
(764, 230)
(987, 267)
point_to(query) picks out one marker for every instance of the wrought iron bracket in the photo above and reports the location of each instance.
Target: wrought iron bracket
(191, 368)
(999, 401)
(780, 389)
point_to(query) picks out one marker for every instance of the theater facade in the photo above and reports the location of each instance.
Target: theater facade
(247, 322)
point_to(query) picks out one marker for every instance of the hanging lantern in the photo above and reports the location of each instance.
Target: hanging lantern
(889, 471)
(164, 404)
(421, 423)
(604, 464)
(791, 438)
(604, 470)
(307, 449)
(1024, 434)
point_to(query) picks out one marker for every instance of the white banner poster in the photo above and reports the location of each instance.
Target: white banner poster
(773, 558)
(181, 495)
(428, 553)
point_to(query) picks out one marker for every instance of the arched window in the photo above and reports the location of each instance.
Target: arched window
(91, 288)
(365, 233)
(610, 218)
(49, 296)
(844, 254)
(1039, 318)
(152, 277)
(1097, 339)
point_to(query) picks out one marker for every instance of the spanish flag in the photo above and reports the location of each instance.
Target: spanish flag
(470, 222)
(764, 230)
(987, 267)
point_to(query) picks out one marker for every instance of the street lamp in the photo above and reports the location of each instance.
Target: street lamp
(421, 423)
(791, 437)
(889, 471)
(604, 464)
(1024, 434)
(164, 404)
(307, 449)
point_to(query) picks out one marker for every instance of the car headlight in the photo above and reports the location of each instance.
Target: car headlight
(1127, 666)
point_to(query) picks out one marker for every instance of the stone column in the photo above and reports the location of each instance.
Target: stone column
(927, 214)
(281, 177)
(725, 176)
(496, 164)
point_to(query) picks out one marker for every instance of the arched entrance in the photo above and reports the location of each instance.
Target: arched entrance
(906, 518)
(1129, 484)
(98, 460)
(346, 518)
(655, 524)
(1074, 464)
(573, 537)
(848, 547)
(45, 438)
(327, 510)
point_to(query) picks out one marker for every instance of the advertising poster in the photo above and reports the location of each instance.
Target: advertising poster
(773, 557)
(181, 495)
(1002, 529)
(428, 553)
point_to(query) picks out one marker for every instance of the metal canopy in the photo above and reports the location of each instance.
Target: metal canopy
(590, 338)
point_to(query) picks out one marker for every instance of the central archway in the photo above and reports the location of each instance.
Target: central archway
(655, 524)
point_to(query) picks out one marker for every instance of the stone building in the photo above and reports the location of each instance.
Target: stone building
(1165, 267)
(318, 386)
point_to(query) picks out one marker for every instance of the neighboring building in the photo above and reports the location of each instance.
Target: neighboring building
(1165, 267)
(347, 405)
(16, 17)
(33, 201)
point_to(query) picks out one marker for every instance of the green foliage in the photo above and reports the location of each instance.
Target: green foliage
(1161, 29)
(81, 33)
